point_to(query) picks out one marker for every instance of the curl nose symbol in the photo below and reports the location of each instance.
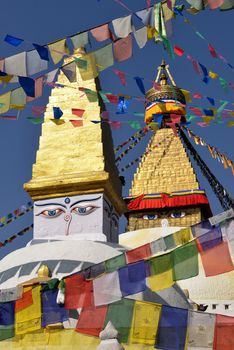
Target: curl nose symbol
(67, 217)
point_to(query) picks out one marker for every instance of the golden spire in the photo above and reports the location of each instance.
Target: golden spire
(76, 160)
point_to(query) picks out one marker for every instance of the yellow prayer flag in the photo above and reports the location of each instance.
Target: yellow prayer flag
(5, 102)
(29, 319)
(213, 75)
(145, 323)
(187, 96)
(161, 281)
(57, 50)
(207, 119)
(183, 236)
(151, 32)
(230, 124)
(231, 114)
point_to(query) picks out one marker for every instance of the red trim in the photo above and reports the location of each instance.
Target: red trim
(166, 201)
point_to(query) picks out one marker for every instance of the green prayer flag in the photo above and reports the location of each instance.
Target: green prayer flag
(104, 98)
(138, 114)
(135, 125)
(120, 314)
(35, 121)
(160, 263)
(200, 35)
(51, 284)
(115, 263)
(185, 261)
(81, 63)
(92, 96)
(224, 84)
(170, 242)
(168, 47)
(7, 332)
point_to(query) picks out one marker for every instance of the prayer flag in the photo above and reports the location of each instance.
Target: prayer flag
(69, 70)
(42, 52)
(35, 121)
(145, 323)
(208, 112)
(78, 292)
(104, 57)
(140, 84)
(112, 98)
(57, 112)
(11, 294)
(123, 49)
(5, 102)
(146, 16)
(169, 242)
(29, 318)
(209, 239)
(172, 328)
(213, 75)
(138, 253)
(52, 312)
(38, 90)
(183, 236)
(224, 330)
(51, 76)
(201, 328)
(26, 299)
(120, 314)
(28, 84)
(78, 112)
(77, 123)
(18, 98)
(201, 228)
(91, 69)
(101, 33)
(106, 289)
(140, 36)
(185, 261)
(16, 65)
(34, 63)
(212, 50)
(161, 275)
(80, 40)
(178, 51)
(38, 110)
(214, 4)
(211, 100)
(83, 64)
(7, 313)
(157, 246)
(115, 263)
(57, 50)
(214, 266)
(132, 278)
(91, 320)
(122, 26)
(7, 332)
(13, 40)
(91, 95)
(121, 76)
(197, 95)
(187, 96)
(227, 228)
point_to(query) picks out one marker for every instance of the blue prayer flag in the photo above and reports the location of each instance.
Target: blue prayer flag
(57, 112)
(210, 239)
(140, 84)
(43, 52)
(158, 119)
(133, 278)
(211, 100)
(172, 329)
(52, 312)
(7, 313)
(28, 84)
(208, 112)
(201, 228)
(204, 70)
(13, 40)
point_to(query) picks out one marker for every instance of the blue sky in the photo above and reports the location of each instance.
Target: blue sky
(46, 21)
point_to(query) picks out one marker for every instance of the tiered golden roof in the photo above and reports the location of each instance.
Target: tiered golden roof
(75, 160)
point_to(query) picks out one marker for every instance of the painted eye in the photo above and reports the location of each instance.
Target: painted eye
(84, 210)
(51, 213)
(178, 214)
(150, 217)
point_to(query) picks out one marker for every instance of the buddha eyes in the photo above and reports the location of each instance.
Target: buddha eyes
(150, 217)
(174, 215)
(84, 210)
(52, 213)
(178, 214)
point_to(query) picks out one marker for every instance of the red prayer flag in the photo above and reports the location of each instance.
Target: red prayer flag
(121, 76)
(196, 111)
(123, 48)
(78, 112)
(197, 95)
(224, 333)
(101, 33)
(112, 98)
(214, 266)
(148, 3)
(139, 253)
(25, 301)
(214, 4)
(115, 125)
(212, 51)
(77, 123)
(78, 292)
(91, 320)
(178, 51)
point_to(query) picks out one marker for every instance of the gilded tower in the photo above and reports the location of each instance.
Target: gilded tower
(165, 190)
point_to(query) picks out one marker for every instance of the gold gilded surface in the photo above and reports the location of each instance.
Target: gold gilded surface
(75, 160)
